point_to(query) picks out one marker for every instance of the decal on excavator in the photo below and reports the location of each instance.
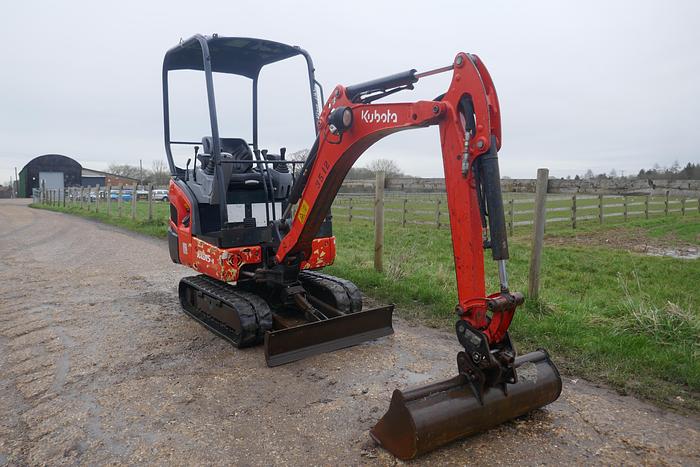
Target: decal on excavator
(303, 212)
(376, 117)
(204, 257)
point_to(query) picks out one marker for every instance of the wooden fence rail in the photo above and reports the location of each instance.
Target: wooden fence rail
(519, 210)
(402, 209)
(99, 199)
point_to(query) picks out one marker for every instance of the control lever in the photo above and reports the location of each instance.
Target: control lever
(194, 168)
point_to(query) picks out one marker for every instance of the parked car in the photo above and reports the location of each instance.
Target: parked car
(126, 195)
(160, 195)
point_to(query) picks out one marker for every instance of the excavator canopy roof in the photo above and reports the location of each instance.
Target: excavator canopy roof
(236, 55)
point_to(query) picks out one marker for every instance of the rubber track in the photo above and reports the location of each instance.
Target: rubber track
(253, 312)
(347, 295)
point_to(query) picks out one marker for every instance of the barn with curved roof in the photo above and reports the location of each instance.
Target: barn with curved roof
(55, 170)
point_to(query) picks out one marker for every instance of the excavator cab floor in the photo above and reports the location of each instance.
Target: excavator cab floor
(425, 418)
(297, 342)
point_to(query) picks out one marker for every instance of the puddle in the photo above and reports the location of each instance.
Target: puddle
(681, 253)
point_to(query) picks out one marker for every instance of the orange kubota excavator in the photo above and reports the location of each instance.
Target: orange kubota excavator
(257, 231)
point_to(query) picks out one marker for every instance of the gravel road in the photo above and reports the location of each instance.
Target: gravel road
(98, 365)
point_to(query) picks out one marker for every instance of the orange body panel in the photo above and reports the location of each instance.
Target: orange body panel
(322, 253)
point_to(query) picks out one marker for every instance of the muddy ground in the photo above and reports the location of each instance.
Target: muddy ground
(99, 365)
(632, 239)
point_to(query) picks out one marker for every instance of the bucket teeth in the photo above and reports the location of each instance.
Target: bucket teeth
(422, 419)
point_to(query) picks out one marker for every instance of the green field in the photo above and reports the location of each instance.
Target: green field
(605, 312)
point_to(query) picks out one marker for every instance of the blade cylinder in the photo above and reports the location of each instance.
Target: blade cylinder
(422, 419)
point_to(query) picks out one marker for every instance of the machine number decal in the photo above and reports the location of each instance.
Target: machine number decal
(303, 211)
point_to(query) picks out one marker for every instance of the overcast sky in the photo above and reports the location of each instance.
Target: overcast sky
(595, 85)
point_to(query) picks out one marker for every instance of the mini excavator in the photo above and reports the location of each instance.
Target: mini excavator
(257, 229)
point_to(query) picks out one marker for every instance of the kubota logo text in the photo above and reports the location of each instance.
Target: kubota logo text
(376, 117)
(204, 257)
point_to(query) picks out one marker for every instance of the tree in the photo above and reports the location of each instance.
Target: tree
(159, 173)
(359, 173)
(675, 168)
(124, 170)
(589, 174)
(297, 156)
(613, 173)
(390, 168)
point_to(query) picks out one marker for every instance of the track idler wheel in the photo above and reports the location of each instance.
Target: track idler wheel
(422, 419)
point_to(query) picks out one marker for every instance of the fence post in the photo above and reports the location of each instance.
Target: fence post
(437, 213)
(379, 221)
(133, 202)
(511, 216)
(666, 205)
(624, 203)
(646, 207)
(82, 196)
(682, 206)
(573, 212)
(150, 203)
(698, 205)
(64, 197)
(600, 209)
(119, 201)
(403, 213)
(350, 209)
(97, 198)
(538, 233)
(109, 200)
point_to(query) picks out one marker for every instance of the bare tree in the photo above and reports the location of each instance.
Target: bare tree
(124, 170)
(390, 168)
(589, 175)
(159, 173)
(297, 156)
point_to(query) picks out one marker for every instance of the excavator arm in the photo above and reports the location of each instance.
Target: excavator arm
(487, 390)
(468, 116)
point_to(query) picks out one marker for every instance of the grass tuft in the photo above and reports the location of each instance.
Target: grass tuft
(668, 325)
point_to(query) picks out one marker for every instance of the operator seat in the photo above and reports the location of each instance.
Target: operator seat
(245, 173)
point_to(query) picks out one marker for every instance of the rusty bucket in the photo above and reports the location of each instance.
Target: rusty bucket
(422, 419)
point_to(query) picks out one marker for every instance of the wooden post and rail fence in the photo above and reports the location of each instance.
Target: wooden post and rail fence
(405, 209)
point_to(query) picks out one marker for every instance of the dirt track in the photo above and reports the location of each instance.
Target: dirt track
(99, 365)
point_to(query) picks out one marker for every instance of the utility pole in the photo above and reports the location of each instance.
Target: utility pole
(16, 190)
(140, 171)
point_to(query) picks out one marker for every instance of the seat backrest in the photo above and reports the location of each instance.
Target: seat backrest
(237, 147)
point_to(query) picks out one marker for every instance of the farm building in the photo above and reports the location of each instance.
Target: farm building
(95, 177)
(59, 172)
(55, 170)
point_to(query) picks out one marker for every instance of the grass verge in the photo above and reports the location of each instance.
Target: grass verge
(605, 314)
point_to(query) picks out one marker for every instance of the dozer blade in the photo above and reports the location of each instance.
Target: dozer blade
(422, 419)
(294, 343)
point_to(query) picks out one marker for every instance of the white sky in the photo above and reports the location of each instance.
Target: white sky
(596, 84)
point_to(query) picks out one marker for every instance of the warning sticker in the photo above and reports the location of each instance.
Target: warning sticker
(303, 212)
